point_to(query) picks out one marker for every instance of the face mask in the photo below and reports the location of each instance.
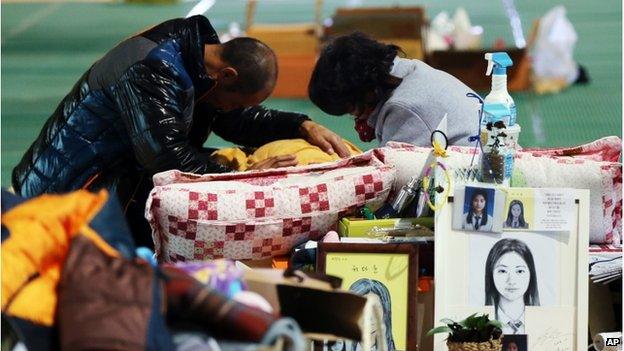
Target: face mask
(366, 132)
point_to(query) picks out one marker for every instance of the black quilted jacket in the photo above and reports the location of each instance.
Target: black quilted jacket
(134, 112)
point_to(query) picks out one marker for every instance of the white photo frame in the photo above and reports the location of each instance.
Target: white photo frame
(561, 322)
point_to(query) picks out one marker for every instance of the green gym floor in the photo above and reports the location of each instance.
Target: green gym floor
(46, 46)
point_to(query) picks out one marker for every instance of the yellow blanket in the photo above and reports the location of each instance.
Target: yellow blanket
(305, 152)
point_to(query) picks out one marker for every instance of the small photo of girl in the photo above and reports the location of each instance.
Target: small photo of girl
(516, 216)
(515, 343)
(478, 208)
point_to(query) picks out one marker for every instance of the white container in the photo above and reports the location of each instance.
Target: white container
(513, 133)
(499, 94)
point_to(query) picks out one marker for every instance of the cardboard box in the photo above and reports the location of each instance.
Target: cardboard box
(296, 48)
(470, 67)
(291, 39)
(401, 26)
(294, 75)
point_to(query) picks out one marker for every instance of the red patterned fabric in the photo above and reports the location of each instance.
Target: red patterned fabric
(365, 132)
(604, 149)
(258, 214)
(605, 248)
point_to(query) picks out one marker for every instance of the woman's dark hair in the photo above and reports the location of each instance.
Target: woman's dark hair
(484, 217)
(367, 286)
(521, 221)
(492, 296)
(353, 71)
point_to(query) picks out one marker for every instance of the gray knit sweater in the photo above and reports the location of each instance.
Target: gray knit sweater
(417, 106)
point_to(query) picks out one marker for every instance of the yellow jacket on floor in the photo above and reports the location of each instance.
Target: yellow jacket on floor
(39, 235)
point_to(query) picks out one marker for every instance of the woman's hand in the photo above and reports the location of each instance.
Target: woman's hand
(275, 162)
(324, 138)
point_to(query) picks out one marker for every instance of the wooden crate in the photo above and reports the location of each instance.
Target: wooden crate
(291, 39)
(296, 47)
(294, 75)
(401, 26)
(379, 22)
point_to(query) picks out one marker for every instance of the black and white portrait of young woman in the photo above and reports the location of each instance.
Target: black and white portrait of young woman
(513, 272)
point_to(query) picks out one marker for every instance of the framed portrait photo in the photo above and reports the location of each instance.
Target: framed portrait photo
(532, 279)
(389, 271)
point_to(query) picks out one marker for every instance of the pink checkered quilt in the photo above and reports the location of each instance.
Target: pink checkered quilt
(258, 214)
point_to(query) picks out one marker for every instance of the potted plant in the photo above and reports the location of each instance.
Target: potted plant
(493, 160)
(475, 333)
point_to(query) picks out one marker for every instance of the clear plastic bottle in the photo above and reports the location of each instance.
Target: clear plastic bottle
(497, 67)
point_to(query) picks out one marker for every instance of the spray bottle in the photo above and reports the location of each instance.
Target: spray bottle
(497, 67)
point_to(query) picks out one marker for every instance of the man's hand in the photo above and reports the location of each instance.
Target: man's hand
(275, 162)
(324, 138)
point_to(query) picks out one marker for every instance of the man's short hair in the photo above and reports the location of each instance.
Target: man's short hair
(254, 61)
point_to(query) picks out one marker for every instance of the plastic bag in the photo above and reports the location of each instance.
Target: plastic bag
(553, 50)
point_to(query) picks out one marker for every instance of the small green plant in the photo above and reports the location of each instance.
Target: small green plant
(472, 329)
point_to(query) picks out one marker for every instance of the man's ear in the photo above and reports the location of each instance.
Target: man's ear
(228, 75)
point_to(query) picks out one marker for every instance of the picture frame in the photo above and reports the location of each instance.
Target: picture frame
(373, 268)
(554, 295)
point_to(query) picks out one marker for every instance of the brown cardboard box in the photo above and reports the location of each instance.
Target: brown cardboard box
(296, 47)
(379, 22)
(291, 39)
(294, 75)
(401, 26)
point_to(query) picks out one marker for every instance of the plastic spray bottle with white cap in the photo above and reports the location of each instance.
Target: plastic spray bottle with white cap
(497, 67)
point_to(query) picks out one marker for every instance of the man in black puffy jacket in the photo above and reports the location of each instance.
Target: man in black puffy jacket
(149, 105)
